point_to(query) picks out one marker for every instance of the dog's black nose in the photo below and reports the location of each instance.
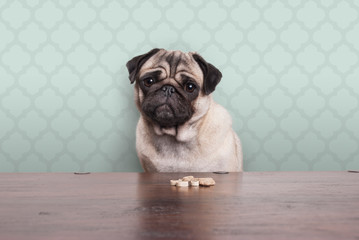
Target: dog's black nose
(168, 90)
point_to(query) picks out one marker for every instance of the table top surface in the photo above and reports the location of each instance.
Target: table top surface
(252, 205)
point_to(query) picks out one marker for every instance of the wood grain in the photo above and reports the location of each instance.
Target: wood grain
(251, 205)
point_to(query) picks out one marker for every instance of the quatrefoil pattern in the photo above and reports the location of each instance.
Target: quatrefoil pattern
(290, 79)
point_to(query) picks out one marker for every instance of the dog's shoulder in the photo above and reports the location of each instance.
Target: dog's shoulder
(218, 117)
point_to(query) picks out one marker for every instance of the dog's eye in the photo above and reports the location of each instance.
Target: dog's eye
(189, 87)
(148, 82)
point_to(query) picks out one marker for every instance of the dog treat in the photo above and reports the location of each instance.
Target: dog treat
(182, 184)
(192, 181)
(206, 182)
(187, 178)
(173, 182)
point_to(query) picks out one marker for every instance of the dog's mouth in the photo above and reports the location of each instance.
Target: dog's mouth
(164, 114)
(164, 111)
(168, 111)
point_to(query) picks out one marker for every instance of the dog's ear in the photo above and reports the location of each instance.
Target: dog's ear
(135, 64)
(211, 75)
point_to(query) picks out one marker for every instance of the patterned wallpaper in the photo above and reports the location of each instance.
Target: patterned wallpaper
(291, 79)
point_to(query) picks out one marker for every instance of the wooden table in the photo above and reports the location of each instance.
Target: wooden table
(251, 205)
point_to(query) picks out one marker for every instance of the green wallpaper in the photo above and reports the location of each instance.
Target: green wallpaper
(291, 79)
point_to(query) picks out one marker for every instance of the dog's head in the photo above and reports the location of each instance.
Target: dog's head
(172, 86)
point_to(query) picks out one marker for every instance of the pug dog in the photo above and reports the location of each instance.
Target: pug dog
(181, 128)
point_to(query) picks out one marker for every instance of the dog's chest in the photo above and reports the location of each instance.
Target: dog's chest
(168, 146)
(174, 154)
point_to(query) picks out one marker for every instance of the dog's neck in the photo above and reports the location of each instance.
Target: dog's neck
(185, 132)
(182, 133)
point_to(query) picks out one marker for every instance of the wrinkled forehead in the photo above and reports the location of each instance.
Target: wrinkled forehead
(172, 64)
